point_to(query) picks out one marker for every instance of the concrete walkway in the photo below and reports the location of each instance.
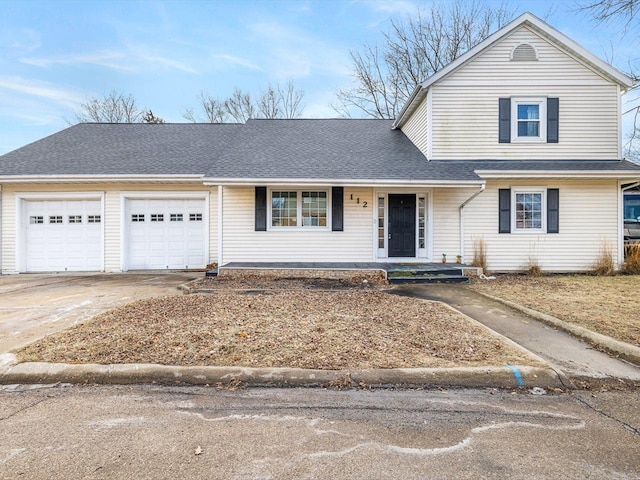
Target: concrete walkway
(567, 354)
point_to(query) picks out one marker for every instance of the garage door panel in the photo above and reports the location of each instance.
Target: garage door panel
(166, 239)
(60, 237)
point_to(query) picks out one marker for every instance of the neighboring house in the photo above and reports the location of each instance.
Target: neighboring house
(517, 142)
(632, 215)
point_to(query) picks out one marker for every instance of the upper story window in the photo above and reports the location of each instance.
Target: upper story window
(528, 120)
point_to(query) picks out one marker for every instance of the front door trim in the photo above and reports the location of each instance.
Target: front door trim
(422, 254)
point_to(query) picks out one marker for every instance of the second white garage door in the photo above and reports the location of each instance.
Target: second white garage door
(165, 234)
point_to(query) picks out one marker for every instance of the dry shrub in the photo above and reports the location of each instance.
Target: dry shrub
(632, 259)
(479, 253)
(604, 265)
(534, 269)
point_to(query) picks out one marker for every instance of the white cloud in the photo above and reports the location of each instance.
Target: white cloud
(167, 63)
(292, 53)
(390, 7)
(241, 62)
(105, 58)
(42, 90)
(133, 60)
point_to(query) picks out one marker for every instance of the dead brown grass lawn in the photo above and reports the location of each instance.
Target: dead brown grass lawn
(607, 305)
(292, 328)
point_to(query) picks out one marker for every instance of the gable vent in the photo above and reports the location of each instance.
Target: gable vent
(524, 53)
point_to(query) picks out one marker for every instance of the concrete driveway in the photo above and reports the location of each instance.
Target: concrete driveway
(33, 306)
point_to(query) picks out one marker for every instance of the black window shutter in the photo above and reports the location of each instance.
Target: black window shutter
(337, 209)
(504, 207)
(553, 210)
(553, 109)
(504, 121)
(261, 209)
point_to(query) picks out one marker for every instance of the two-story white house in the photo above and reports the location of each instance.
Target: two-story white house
(517, 142)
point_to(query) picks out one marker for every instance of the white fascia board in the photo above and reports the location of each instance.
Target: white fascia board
(409, 106)
(100, 178)
(630, 174)
(564, 42)
(556, 37)
(253, 182)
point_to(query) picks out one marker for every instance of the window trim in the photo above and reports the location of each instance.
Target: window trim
(542, 191)
(298, 226)
(542, 113)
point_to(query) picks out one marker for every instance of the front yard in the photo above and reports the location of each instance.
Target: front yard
(607, 305)
(289, 327)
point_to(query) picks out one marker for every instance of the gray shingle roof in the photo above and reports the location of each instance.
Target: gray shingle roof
(329, 149)
(343, 149)
(122, 149)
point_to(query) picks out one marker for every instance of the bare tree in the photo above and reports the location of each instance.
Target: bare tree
(213, 109)
(280, 102)
(149, 117)
(115, 107)
(274, 102)
(627, 14)
(240, 107)
(624, 11)
(411, 51)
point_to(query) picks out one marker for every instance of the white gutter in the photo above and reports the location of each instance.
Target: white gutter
(461, 216)
(99, 178)
(399, 119)
(337, 181)
(557, 174)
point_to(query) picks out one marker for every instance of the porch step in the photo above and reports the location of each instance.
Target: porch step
(456, 278)
(424, 272)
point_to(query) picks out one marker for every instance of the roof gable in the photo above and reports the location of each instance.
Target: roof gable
(534, 24)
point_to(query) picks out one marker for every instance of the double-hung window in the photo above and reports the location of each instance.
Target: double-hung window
(529, 210)
(299, 208)
(528, 120)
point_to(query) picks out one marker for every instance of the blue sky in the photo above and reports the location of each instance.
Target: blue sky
(55, 54)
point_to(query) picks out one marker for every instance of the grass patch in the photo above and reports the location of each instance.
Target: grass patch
(607, 305)
(292, 328)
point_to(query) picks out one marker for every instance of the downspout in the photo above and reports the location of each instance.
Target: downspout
(461, 215)
(220, 223)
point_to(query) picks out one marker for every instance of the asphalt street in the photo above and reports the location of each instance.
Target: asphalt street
(113, 432)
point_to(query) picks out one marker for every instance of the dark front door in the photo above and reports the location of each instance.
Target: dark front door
(402, 226)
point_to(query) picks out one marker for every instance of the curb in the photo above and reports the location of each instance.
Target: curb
(124, 374)
(624, 350)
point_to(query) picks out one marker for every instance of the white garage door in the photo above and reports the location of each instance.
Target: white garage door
(62, 235)
(165, 234)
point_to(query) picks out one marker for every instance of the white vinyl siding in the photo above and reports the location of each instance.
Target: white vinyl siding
(464, 116)
(241, 243)
(588, 217)
(417, 128)
(111, 219)
(446, 220)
